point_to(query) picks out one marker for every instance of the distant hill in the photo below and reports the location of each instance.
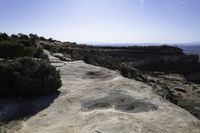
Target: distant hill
(126, 44)
(191, 49)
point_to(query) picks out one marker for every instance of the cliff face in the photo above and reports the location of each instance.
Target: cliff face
(163, 58)
(150, 58)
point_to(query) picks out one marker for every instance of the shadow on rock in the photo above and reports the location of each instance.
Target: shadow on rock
(16, 109)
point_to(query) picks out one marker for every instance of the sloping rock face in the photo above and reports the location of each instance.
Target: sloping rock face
(97, 100)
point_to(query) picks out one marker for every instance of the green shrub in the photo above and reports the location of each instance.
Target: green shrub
(27, 77)
(4, 36)
(40, 54)
(33, 37)
(12, 50)
(26, 43)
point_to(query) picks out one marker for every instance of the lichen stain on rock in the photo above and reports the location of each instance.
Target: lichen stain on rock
(120, 102)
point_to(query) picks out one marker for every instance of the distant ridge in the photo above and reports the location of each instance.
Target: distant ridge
(127, 44)
(145, 44)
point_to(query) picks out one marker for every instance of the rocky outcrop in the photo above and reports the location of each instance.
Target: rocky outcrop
(166, 59)
(98, 100)
(177, 90)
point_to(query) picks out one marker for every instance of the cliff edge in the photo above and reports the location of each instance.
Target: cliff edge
(98, 100)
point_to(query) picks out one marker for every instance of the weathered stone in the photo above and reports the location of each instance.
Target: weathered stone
(118, 105)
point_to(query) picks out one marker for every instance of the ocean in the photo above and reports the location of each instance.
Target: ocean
(191, 49)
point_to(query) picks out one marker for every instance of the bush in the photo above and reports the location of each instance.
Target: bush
(39, 52)
(12, 50)
(8, 50)
(27, 77)
(4, 36)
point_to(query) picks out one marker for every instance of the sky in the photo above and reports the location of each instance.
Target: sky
(104, 21)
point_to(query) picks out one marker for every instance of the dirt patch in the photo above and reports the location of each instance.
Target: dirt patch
(121, 102)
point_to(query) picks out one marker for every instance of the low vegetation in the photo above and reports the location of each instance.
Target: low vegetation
(24, 68)
(15, 46)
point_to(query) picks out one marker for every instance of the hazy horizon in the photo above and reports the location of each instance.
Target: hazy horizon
(104, 21)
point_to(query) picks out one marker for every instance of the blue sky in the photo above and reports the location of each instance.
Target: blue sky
(112, 21)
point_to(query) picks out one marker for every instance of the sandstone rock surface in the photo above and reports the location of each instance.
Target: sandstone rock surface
(98, 100)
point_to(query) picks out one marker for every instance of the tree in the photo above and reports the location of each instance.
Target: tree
(13, 36)
(33, 37)
(3, 37)
(42, 38)
(22, 36)
(50, 39)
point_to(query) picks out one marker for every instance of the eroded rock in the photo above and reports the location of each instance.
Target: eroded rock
(121, 102)
(112, 105)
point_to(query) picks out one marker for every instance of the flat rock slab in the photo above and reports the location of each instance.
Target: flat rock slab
(97, 100)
